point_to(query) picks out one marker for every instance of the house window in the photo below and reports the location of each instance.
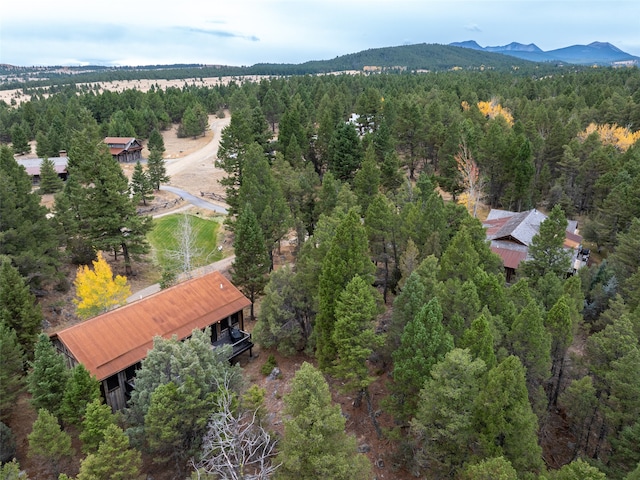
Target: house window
(224, 323)
(112, 383)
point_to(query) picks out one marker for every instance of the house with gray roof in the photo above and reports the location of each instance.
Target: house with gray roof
(511, 234)
(32, 166)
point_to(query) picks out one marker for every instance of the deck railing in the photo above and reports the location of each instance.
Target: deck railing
(239, 340)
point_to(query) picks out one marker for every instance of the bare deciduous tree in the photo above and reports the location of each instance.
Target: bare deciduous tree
(188, 249)
(236, 446)
(471, 178)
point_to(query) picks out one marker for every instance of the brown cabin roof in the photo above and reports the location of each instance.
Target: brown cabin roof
(113, 341)
(117, 145)
(509, 253)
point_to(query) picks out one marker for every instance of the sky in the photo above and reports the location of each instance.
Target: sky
(245, 32)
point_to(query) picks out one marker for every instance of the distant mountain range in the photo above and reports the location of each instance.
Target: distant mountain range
(417, 57)
(596, 53)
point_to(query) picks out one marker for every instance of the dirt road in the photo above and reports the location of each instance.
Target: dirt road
(196, 172)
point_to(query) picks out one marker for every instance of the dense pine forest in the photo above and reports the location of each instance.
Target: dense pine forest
(381, 180)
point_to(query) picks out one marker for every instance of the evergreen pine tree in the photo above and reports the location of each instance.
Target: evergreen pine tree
(115, 459)
(82, 388)
(546, 250)
(505, 423)
(18, 307)
(531, 343)
(424, 343)
(579, 469)
(383, 231)
(561, 328)
(315, 444)
(479, 340)
(354, 334)
(286, 314)
(42, 145)
(19, 140)
(366, 181)
(48, 377)
(11, 370)
(344, 153)
(141, 187)
(98, 416)
(7, 450)
(50, 182)
(391, 177)
(234, 140)
(28, 236)
(443, 425)
(496, 468)
(347, 257)
(263, 192)
(48, 441)
(156, 142)
(251, 265)
(156, 168)
(113, 223)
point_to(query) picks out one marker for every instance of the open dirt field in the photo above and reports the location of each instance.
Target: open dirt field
(143, 85)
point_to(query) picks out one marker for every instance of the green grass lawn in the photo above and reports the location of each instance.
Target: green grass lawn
(166, 232)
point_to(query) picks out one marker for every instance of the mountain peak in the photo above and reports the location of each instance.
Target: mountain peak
(515, 47)
(467, 44)
(604, 45)
(602, 53)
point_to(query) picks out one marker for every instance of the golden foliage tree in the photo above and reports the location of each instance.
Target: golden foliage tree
(97, 290)
(611, 134)
(492, 109)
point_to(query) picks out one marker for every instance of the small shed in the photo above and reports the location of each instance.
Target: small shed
(124, 149)
(112, 345)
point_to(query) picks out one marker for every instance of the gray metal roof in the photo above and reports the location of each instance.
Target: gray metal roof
(520, 227)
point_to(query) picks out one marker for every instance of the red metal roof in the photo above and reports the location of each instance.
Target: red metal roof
(111, 342)
(510, 258)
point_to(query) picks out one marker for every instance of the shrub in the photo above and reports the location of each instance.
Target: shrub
(269, 365)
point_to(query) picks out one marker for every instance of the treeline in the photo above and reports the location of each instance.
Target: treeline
(412, 57)
(480, 373)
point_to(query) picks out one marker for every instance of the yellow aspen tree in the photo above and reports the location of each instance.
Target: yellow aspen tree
(492, 109)
(611, 134)
(97, 290)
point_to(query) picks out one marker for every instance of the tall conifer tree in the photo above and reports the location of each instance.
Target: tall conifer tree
(347, 257)
(504, 420)
(251, 265)
(18, 307)
(315, 444)
(424, 343)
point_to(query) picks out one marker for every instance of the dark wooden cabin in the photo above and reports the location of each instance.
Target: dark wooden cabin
(124, 149)
(112, 345)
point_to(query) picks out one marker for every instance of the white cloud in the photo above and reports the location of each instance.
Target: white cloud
(243, 32)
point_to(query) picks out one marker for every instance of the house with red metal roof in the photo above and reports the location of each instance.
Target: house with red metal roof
(511, 233)
(112, 346)
(124, 149)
